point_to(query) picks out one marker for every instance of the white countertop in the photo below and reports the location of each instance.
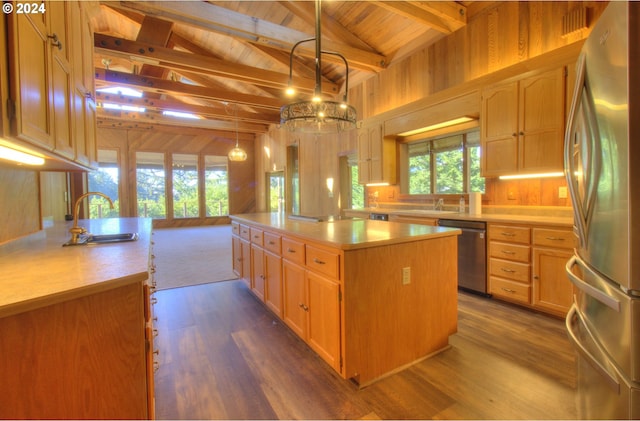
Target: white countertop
(37, 271)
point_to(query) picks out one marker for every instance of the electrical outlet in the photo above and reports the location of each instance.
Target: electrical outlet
(562, 192)
(511, 194)
(406, 276)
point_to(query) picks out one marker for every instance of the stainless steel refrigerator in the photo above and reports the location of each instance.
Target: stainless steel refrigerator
(602, 165)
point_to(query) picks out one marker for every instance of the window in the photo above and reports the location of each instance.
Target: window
(357, 189)
(216, 185)
(445, 165)
(150, 185)
(185, 185)
(105, 180)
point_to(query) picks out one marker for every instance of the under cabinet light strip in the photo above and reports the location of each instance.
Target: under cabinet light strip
(20, 157)
(539, 175)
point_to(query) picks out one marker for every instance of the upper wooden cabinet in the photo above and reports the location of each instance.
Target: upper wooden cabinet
(50, 62)
(522, 125)
(376, 156)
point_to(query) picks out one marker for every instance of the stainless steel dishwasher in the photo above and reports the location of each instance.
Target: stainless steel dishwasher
(472, 254)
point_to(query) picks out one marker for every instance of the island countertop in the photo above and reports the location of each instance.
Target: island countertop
(346, 234)
(37, 271)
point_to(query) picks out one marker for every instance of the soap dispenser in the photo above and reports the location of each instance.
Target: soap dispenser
(461, 204)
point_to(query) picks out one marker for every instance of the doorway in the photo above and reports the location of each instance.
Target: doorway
(275, 191)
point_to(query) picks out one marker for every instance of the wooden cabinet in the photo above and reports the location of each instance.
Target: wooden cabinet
(376, 156)
(522, 125)
(49, 53)
(552, 248)
(258, 277)
(526, 266)
(414, 219)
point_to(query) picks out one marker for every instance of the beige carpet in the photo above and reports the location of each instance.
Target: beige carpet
(192, 256)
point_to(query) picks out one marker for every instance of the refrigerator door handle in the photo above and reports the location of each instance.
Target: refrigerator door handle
(584, 352)
(605, 299)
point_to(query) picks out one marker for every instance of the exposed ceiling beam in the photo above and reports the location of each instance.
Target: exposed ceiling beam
(175, 105)
(112, 78)
(179, 60)
(446, 16)
(219, 19)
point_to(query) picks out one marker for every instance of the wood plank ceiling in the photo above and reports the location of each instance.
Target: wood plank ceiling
(219, 59)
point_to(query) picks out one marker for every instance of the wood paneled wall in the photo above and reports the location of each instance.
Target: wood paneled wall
(242, 186)
(502, 41)
(19, 203)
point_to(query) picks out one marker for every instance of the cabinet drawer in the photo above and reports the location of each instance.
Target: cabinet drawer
(272, 243)
(245, 232)
(510, 234)
(508, 251)
(509, 289)
(256, 236)
(235, 228)
(515, 271)
(323, 261)
(553, 238)
(293, 250)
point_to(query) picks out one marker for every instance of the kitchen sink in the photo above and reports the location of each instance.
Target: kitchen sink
(104, 239)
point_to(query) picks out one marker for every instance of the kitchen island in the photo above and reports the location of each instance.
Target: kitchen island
(76, 326)
(369, 297)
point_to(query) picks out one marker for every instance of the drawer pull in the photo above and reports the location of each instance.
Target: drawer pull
(318, 261)
(256, 236)
(508, 234)
(272, 243)
(507, 290)
(508, 252)
(507, 270)
(555, 238)
(290, 250)
(304, 307)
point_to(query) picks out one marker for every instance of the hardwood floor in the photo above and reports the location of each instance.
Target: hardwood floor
(224, 356)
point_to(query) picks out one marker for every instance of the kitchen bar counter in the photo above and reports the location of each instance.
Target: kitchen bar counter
(347, 234)
(37, 271)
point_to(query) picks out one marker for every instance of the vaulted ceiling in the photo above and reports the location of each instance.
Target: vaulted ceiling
(222, 59)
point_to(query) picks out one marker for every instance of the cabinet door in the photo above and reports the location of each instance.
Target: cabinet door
(273, 292)
(499, 130)
(61, 80)
(237, 256)
(324, 318)
(364, 156)
(376, 158)
(294, 293)
(246, 262)
(541, 122)
(31, 81)
(552, 289)
(258, 273)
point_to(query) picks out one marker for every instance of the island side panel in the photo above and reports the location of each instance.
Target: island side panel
(389, 325)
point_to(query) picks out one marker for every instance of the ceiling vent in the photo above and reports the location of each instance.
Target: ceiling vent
(575, 21)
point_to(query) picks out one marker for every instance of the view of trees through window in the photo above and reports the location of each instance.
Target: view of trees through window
(150, 185)
(105, 180)
(437, 166)
(216, 185)
(185, 186)
(357, 190)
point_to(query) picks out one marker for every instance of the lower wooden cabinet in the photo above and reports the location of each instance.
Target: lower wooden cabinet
(527, 266)
(273, 293)
(294, 293)
(323, 317)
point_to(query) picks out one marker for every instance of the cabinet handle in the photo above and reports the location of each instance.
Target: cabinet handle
(291, 251)
(521, 133)
(318, 261)
(514, 134)
(555, 238)
(271, 243)
(256, 236)
(536, 277)
(508, 234)
(508, 252)
(507, 290)
(55, 41)
(304, 307)
(507, 270)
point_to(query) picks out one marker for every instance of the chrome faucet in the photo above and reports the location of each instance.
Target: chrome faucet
(75, 230)
(439, 205)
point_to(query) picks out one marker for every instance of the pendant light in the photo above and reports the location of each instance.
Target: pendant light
(237, 154)
(318, 115)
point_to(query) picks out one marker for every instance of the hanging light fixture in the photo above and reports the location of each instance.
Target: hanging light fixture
(318, 115)
(237, 154)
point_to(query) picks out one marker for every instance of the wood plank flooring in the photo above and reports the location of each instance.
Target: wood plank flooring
(224, 356)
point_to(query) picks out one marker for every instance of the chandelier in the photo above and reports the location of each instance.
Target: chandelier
(318, 115)
(237, 154)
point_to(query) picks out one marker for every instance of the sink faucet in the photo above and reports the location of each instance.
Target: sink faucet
(75, 230)
(439, 205)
